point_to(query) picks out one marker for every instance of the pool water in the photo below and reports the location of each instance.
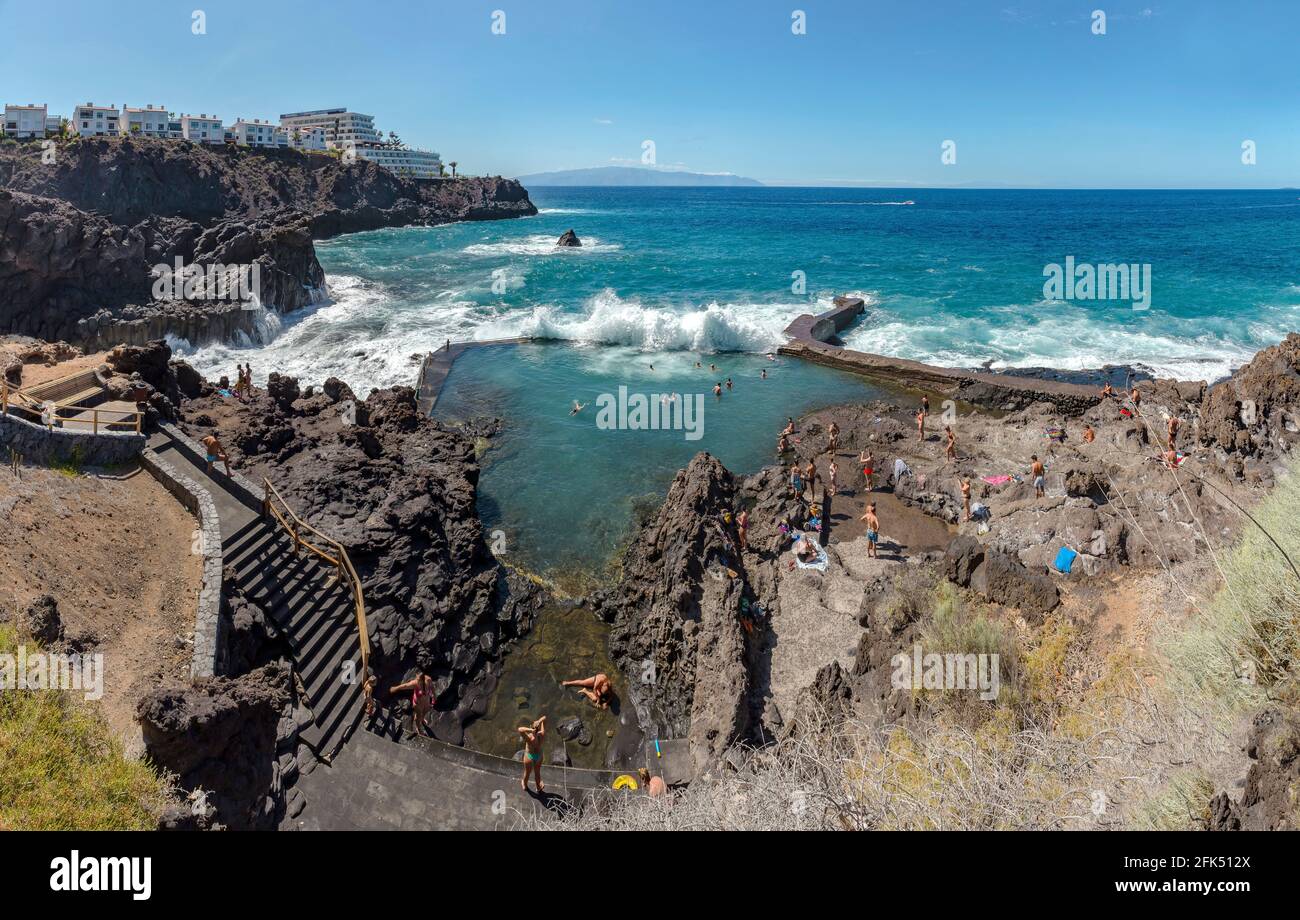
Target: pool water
(558, 493)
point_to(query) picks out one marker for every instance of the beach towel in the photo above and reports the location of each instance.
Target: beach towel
(819, 564)
(1065, 560)
(979, 512)
(997, 480)
(1054, 433)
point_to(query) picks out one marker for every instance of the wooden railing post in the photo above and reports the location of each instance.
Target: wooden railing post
(94, 422)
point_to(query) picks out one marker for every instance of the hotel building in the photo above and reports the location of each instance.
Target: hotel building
(256, 134)
(202, 129)
(415, 164)
(150, 121)
(341, 127)
(90, 120)
(27, 121)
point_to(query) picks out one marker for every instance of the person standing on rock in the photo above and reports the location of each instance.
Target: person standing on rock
(533, 736)
(1172, 427)
(950, 448)
(742, 529)
(965, 496)
(422, 700)
(1039, 472)
(832, 470)
(873, 530)
(868, 467)
(920, 425)
(1134, 395)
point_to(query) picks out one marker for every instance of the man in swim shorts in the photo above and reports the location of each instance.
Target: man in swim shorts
(1037, 470)
(533, 736)
(215, 451)
(868, 467)
(965, 496)
(873, 530)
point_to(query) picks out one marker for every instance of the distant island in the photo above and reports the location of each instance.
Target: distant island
(634, 175)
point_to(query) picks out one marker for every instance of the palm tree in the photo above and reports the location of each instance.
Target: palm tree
(453, 164)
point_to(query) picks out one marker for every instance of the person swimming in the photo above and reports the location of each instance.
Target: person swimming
(577, 407)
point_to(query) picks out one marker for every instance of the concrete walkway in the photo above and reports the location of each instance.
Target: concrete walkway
(437, 365)
(815, 338)
(378, 784)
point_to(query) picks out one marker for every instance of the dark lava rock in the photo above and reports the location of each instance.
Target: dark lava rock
(79, 240)
(676, 613)
(568, 239)
(1268, 802)
(219, 735)
(1254, 412)
(1000, 578)
(574, 729)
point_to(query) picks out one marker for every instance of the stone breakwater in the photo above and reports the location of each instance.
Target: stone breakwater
(816, 338)
(80, 237)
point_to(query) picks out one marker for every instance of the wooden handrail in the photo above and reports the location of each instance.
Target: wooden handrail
(295, 527)
(129, 416)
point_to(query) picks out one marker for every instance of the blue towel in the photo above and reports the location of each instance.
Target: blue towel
(1065, 559)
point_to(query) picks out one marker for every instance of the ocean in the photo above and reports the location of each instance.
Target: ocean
(668, 277)
(955, 278)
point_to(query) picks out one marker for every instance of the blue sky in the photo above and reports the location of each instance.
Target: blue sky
(1029, 94)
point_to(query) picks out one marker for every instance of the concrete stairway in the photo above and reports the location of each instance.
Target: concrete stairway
(300, 594)
(317, 618)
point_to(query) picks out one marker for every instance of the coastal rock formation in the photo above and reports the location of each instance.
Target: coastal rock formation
(1268, 802)
(675, 617)
(399, 492)
(568, 238)
(222, 735)
(80, 238)
(1255, 414)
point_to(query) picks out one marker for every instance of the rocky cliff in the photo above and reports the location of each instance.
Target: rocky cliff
(80, 237)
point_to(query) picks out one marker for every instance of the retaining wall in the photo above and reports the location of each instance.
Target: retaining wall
(39, 444)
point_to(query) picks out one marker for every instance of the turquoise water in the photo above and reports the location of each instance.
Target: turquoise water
(563, 490)
(956, 276)
(667, 276)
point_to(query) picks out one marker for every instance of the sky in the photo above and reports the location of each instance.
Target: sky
(1029, 93)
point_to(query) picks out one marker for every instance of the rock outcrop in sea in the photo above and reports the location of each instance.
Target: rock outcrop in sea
(80, 238)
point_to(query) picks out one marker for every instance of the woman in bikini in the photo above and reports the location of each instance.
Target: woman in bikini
(422, 701)
(597, 689)
(533, 736)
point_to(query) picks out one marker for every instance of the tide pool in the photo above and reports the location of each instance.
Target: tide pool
(563, 491)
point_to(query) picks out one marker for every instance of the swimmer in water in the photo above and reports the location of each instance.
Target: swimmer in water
(577, 407)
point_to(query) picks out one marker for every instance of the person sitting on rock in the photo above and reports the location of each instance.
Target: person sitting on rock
(216, 451)
(653, 785)
(597, 689)
(422, 700)
(1088, 434)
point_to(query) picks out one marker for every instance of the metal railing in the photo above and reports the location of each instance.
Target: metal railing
(46, 411)
(274, 505)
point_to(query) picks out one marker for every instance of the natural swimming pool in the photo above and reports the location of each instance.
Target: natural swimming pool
(561, 490)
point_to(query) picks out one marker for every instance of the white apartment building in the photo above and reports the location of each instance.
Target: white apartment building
(308, 139)
(90, 120)
(255, 133)
(341, 127)
(202, 129)
(415, 164)
(150, 121)
(27, 121)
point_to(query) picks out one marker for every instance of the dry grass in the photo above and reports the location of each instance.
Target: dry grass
(61, 768)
